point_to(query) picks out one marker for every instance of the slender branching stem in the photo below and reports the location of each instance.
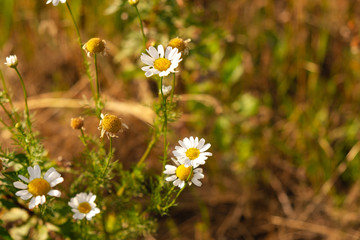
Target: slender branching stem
(172, 88)
(28, 122)
(109, 157)
(97, 97)
(148, 149)
(141, 25)
(86, 63)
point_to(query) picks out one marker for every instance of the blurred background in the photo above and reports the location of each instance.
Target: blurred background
(272, 85)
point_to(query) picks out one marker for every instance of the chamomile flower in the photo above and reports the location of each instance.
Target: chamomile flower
(11, 61)
(83, 205)
(110, 125)
(77, 123)
(192, 151)
(95, 46)
(179, 174)
(55, 2)
(159, 61)
(37, 187)
(180, 44)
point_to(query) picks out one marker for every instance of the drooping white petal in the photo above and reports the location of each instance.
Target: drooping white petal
(37, 200)
(26, 196)
(79, 216)
(32, 203)
(171, 178)
(196, 182)
(43, 199)
(48, 172)
(21, 193)
(153, 53)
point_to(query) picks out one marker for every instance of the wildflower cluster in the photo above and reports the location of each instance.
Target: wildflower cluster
(97, 175)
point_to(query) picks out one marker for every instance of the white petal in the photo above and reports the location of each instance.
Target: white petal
(26, 196)
(46, 175)
(55, 2)
(21, 193)
(56, 181)
(148, 73)
(63, 1)
(153, 53)
(92, 198)
(43, 199)
(23, 178)
(37, 200)
(171, 178)
(31, 173)
(49, 1)
(52, 176)
(32, 203)
(168, 50)
(187, 143)
(201, 143)
(72, 204)
(206, 147)
(196, 182)
(161, 51)
(56, 193)
(192, 140)
(146, 68)
(20, 185)
(182, 184)
(37, 171)
(147, 60)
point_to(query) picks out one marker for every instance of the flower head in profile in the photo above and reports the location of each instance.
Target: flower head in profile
(180, 44)
(77, 123)
(37, 187)
(55, 2)
(159, 61)
(192, 151)
(83, 205)
(179, 174)
(95, 46)
(11, 61)
(111, 125)
(133, 2)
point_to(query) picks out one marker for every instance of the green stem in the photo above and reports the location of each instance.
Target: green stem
(148, 150)
(109, 157)
(86, 63)
(172, 88)
(6, 90)
(96, 79)
(141, 25)
(164, 124)
(25, 98)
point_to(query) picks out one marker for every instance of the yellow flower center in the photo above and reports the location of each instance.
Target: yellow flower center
(84, 207)
(192, 153)
(77, 123)
(38, 187)
(111, 123)
(162, 64)
(95, 45)
(183, 172)
(177, 43)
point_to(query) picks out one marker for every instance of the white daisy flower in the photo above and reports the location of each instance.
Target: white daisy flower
(110, 125)
(180, 173)
(37, 187)
(160, 62)
(11, 61)
(55, 2)
(166, 90)
(83, 205)
(192, 151)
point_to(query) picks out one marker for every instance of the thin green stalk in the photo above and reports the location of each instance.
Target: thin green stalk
(141, 25)
(86, 63)
(109, 157)
(96, 79)
(164, 124)
(25, 98)
(172, 88)
(7, 112)
(148, 150)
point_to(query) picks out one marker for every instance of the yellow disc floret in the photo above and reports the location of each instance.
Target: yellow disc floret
(95, 45)
(183, 172)
(39, 187)
(77, 123)
(111, 123)
(84, 207)
(192, 153)
(177, 43)
(162, 64)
